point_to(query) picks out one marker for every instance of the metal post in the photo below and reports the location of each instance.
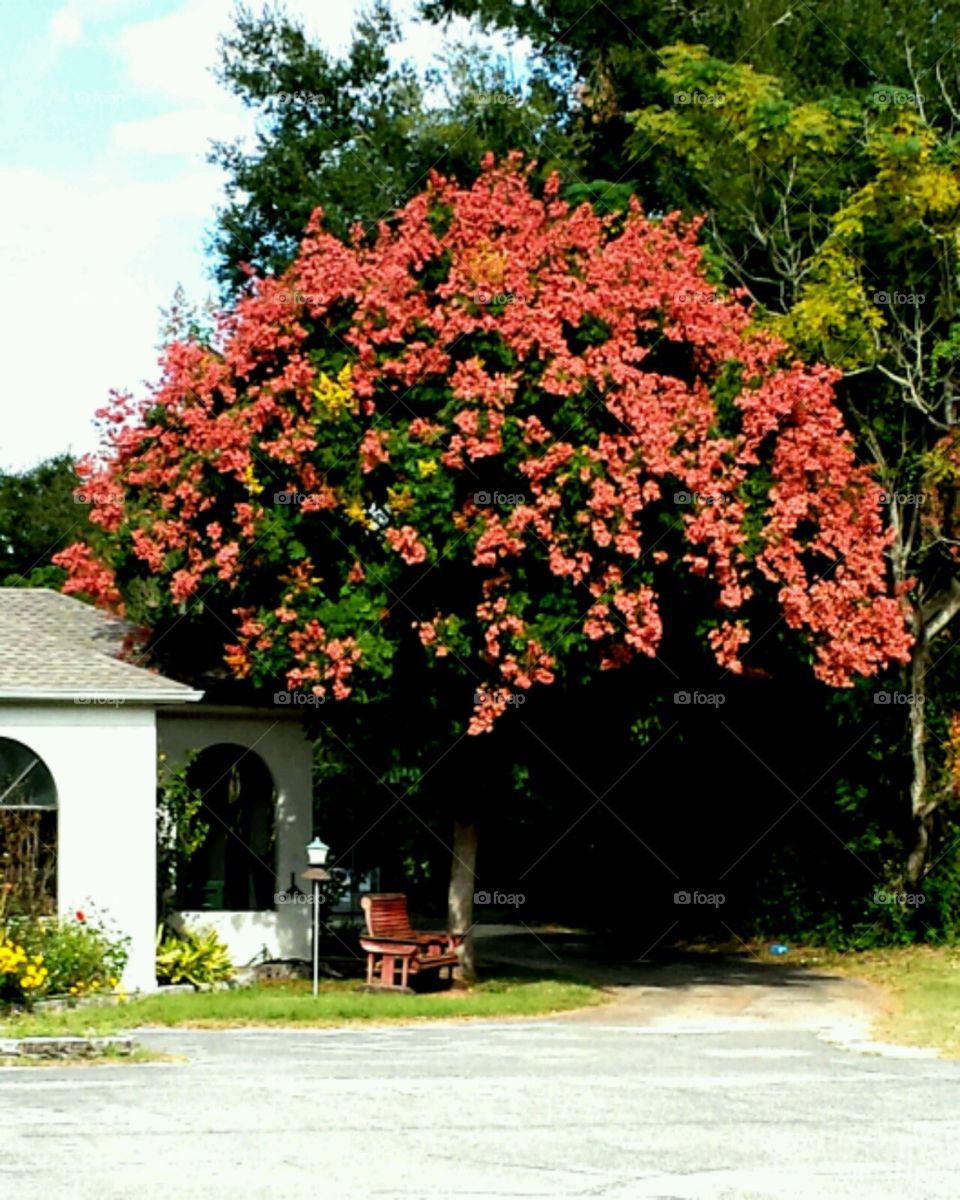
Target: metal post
(316, 936)
(317, 876)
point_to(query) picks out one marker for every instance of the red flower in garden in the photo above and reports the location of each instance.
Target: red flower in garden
(80, 916)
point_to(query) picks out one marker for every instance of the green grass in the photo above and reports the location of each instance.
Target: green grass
(339, 1003)
(920, 985)
(923, 989)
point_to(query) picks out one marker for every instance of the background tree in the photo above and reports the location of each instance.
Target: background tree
(358, 136)
(609, 56)
(41, 512)
(841, 217)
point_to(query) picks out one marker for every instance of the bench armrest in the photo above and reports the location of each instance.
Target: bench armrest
(439, 935)
(387, 945)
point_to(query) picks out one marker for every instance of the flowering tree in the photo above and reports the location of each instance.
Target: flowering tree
(490, 429)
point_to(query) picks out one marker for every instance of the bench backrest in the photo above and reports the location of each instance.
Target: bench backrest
(386, 914)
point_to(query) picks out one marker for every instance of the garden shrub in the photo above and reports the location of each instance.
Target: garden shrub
(77, 956)
(195, 956)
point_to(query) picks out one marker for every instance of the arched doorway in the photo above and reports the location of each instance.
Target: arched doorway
(28, 829)
(235, 868)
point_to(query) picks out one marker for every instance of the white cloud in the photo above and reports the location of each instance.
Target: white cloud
(66, 27)
(69, 24)
(171, 57)
(178, 133)
(88, 262)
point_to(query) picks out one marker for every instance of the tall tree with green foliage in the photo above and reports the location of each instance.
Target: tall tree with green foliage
(358, 136)
(841, 216)
(41, 512)
(609, 54)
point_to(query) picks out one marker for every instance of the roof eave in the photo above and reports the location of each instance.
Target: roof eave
(94, 696)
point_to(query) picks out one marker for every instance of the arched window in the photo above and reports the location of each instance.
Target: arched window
(28, 829)
(234, 870)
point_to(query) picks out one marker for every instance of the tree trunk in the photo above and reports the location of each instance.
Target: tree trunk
(929, 622)
(920, 810)
(460, 897)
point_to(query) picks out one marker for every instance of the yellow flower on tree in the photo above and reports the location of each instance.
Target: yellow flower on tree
(254, 487)
(335, 396)
(400, 499)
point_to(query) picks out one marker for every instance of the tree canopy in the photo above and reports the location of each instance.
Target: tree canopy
(535, 408)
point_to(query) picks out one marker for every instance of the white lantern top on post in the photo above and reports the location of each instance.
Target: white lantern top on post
(317, 852)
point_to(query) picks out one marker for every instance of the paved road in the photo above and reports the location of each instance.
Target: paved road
(700, 1106)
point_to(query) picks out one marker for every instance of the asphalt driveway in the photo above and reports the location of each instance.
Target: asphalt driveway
(679, 1102)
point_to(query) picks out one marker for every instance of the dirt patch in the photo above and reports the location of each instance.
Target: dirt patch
(704, 991)
(708, 996)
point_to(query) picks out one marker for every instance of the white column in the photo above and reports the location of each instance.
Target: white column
(291, 762)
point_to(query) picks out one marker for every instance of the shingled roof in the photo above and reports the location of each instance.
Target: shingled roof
(54, 647)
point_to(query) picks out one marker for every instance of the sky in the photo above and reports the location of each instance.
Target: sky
(106, 110)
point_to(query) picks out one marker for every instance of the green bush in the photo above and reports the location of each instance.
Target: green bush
(194, 956)
(81, 954)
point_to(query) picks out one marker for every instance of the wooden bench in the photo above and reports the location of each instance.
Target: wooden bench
(390, 942)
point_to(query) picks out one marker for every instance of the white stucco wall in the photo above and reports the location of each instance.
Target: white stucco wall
(103, 761)
(280, 742)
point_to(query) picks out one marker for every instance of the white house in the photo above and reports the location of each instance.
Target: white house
(80, 734)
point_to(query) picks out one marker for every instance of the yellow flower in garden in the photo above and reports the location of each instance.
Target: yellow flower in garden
(335, 396)
(11, 957)
(426, 467)
(33, 977)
